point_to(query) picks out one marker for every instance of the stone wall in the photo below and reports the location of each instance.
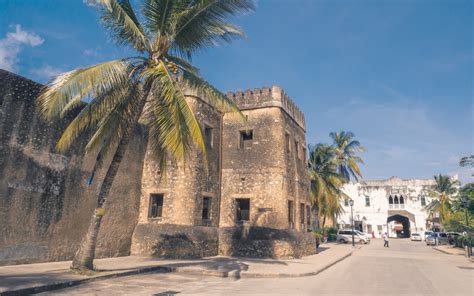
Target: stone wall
(45, 205)
(175, 241)
(262, 242)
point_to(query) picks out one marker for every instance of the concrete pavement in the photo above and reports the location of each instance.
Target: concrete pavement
(33, 278)
(406, 268)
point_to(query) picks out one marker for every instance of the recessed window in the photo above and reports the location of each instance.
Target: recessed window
(287, 142)
(369, 228)
(302, 213)
(304, 154)
(206, 208)
(402, 200)
(297, 150)
(208, 132)
(291, 217)
(346, 202)
(243, 209)
(246, 139)
(423, 201)
(156, 206)
(367, 201)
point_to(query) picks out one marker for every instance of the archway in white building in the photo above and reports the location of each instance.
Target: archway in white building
(401, 226)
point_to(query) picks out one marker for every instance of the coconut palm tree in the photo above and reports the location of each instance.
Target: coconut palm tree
(147, 88)
(444, 192)
(346, 154)
(325, 181)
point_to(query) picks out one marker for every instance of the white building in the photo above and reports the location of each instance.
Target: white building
(394, 206)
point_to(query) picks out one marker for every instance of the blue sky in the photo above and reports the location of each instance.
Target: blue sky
(399, 74)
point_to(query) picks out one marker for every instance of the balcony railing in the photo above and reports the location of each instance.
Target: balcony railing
(396, 206)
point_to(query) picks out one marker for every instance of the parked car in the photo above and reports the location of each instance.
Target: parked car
(345, 236)
(437, 238)
(428, 233)
(367, 236)
(431, 240)
(416, 237)
(452, 237)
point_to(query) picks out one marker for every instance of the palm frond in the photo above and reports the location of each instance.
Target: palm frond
(174, 120)
(204, 24)
(120, 20)
(217, 99)
(91, 115)
(68, 89)
(159, 15)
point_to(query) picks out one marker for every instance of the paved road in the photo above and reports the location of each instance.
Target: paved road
(406, 268)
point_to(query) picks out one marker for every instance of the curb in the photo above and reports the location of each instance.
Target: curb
(62, 285)
(293, 275)
(442, 251)
(238, 275)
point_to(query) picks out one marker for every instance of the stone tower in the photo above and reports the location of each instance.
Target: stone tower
(265, 188)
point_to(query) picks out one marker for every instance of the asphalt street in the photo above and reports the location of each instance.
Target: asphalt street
(405, 268)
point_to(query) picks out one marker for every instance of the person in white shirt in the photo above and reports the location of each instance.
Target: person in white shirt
(385, 240)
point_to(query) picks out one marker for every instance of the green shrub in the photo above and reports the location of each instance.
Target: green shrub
(331, 230)
(332, 237)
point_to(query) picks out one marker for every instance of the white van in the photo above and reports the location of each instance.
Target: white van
(345, 236)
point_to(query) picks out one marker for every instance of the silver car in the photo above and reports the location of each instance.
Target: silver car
(345, 236)
(430, 240)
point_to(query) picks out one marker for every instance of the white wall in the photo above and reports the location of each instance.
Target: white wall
(377, 213)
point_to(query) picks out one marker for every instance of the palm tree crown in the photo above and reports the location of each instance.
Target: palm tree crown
(325, 180)
(346, 154)
(444, 190)
(150, 85)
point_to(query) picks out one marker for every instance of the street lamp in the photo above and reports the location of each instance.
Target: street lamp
(351, 203)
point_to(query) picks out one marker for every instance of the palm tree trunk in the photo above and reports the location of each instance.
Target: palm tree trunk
(324, 221)
(84, 257)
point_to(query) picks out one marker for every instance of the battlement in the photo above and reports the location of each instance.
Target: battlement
(268, 97)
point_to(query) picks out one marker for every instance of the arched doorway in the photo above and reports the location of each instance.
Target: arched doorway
(403, 228)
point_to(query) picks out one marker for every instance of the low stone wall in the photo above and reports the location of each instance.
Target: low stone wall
(264, 242)
(174, 241)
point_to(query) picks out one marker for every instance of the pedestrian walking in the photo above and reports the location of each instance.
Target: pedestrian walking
(385, 240)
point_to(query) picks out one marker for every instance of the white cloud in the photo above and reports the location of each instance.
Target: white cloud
(12, 45)
(93, 3)
(46, 72)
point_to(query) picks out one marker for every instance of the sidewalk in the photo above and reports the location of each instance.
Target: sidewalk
(450, 250)
(40, 277)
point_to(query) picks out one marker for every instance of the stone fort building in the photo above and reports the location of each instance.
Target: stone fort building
(253, 200)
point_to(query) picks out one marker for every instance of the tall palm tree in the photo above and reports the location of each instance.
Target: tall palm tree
(147, 88)
(444, 191)
(346, 154)
(325, 181)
